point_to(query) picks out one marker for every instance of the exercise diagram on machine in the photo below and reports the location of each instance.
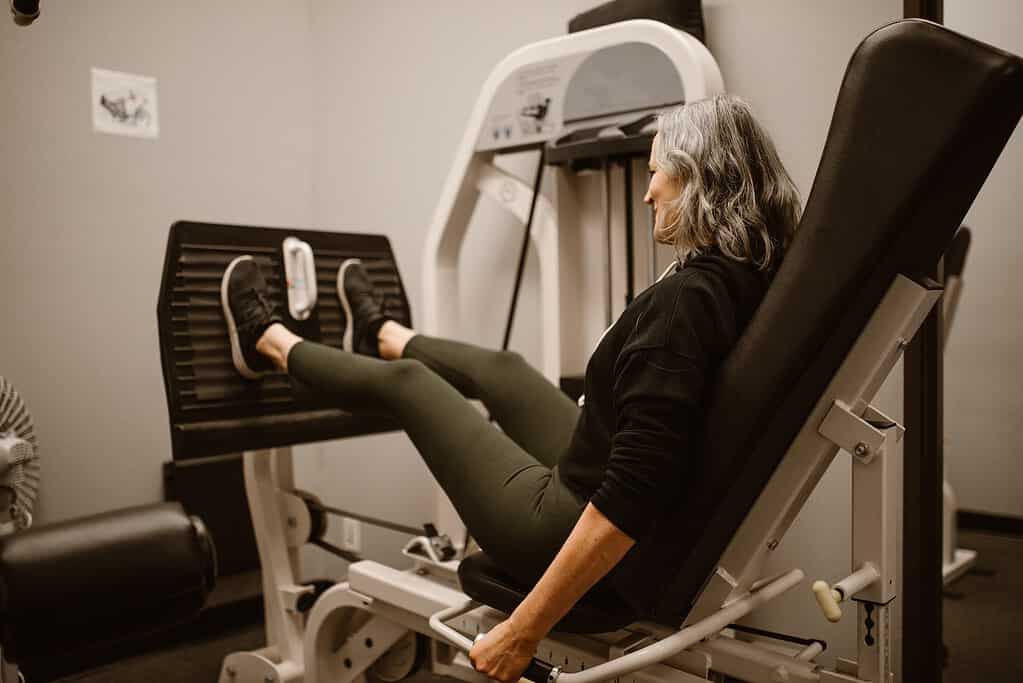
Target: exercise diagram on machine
(849, 295)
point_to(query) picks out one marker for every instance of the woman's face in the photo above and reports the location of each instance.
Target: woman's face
(661, 190)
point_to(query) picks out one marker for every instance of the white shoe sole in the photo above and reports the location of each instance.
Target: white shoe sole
(348, 337)
(232, 332)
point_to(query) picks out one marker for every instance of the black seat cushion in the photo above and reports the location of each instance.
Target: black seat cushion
(599, 611)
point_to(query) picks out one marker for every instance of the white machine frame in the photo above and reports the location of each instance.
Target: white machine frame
(955, 561)
(372, 617)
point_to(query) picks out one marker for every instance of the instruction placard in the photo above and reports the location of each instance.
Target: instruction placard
(124, 104)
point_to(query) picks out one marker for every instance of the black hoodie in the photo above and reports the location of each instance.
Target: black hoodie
(638, 440)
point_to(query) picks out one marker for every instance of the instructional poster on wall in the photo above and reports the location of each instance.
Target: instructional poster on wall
(124, 104)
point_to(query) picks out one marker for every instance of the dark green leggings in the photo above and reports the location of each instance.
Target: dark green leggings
(504, 482)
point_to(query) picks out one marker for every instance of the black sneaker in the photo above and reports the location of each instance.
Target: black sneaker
(363, 307)
(249, 311)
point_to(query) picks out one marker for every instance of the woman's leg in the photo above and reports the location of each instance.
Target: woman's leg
(536, 414)
(514, 506)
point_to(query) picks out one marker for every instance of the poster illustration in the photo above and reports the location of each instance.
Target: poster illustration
(124, 104)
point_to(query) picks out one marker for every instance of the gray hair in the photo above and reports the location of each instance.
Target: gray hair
(736, 194)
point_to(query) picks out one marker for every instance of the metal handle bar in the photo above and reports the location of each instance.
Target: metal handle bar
(651, 654)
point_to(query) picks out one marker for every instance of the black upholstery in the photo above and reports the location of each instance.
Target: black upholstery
(75, 585)
(686, 15)
(921, 117)
(597, 612)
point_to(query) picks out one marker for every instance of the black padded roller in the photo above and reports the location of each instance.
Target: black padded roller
(74, 585)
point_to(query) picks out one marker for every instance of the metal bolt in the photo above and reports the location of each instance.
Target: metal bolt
(292, 522)
(230, 671)
(773, 544)
(369, 642)
(862, 450)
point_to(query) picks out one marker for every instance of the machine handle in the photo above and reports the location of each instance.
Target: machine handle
(449, 634)
(828, 599)
(538, 671)
(300, 272)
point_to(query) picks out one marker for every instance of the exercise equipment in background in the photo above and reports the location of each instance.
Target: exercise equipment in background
(72, 592)
(955, 561)
(19, 461)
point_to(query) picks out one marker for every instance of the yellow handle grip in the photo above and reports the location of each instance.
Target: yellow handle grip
(828, 599)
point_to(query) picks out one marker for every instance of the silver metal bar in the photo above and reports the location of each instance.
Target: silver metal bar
(810, 652)
(649, 655)
(687, 637)
(449, 634)
(393, 526)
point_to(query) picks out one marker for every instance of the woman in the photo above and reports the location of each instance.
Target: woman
(562, 493)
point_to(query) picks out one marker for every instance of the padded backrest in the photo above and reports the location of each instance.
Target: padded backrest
(921, 117)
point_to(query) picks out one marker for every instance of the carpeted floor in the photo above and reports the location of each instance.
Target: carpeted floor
(983, 615)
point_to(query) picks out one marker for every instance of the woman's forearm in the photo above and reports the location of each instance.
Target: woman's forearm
(591, 550)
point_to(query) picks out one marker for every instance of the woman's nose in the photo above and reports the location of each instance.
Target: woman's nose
(647, 199)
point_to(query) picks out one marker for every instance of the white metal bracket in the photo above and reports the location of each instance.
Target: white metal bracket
(851, 433)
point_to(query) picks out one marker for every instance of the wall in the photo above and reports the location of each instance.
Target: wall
(983, 371)
(85, 215)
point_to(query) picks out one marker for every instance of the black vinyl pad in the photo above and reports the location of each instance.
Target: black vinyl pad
(68, 587)
(922, 115)
(483, 580)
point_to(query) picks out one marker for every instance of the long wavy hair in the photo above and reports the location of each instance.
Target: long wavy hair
(735, 193)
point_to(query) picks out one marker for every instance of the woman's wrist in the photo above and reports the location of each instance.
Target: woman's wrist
(529, 627)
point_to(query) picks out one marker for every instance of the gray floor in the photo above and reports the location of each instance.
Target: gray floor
(983, 628)
(983, 614)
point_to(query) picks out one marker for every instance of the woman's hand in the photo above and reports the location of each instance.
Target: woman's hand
(504, 653)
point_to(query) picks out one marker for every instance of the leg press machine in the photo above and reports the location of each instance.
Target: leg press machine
(889, 194)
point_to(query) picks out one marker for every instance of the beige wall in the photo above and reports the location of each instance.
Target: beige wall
(84, 216)
(983, 366)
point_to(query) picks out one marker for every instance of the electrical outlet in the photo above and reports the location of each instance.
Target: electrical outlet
(351, 535)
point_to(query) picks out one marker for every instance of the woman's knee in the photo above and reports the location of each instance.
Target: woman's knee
(506, 362)
(404, 371)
